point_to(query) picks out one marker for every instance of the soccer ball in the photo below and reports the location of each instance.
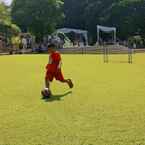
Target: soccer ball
(46, 93)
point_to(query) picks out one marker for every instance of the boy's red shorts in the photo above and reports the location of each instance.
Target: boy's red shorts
(57, 75)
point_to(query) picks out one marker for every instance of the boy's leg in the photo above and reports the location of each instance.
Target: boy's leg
(59, 77)
(47, 84)
(47, 92)
(48, 78)
(69, 82)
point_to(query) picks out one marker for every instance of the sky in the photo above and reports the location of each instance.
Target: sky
(8, 2)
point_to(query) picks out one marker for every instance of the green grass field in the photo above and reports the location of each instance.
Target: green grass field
(106, 106)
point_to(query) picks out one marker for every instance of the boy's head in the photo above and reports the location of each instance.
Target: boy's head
(51, 48)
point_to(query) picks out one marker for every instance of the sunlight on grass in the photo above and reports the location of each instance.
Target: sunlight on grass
(106, 106)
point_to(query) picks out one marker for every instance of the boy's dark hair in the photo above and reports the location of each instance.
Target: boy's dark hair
(51, 46)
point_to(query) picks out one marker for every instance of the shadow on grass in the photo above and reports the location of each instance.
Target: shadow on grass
(57, 97)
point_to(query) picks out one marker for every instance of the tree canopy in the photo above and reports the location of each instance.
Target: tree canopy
(42, 17)
(38, 17)
(127, 15)
(6, 25)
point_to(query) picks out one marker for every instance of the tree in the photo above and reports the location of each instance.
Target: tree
(38, 17)
(127, 15)
(74, 13)
(4, 12)
(7, 28)
(85, 14)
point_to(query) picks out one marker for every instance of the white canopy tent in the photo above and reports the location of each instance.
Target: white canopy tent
(106, 30)
(77, 31)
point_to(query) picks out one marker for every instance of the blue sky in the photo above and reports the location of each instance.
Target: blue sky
(8, 2)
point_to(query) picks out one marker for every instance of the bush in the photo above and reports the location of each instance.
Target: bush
(138, 40)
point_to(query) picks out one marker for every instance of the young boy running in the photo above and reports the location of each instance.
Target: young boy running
(53, 69)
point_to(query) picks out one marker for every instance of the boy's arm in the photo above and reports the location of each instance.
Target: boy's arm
(47, 66)
(60, 64)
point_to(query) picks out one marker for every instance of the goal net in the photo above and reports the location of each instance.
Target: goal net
(112, 46)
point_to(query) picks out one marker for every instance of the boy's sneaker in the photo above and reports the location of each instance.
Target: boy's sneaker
(46, 93)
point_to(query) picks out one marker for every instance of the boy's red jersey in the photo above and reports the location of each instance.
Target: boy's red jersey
(54, 62)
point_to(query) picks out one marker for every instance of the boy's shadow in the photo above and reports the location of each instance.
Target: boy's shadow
(57, 97)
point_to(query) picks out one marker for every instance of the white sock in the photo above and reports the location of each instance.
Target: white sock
(46, 89)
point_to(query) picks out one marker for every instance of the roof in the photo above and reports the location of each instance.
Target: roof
(68, 30)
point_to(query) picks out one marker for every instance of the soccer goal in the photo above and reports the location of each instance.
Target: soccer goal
(109, 45)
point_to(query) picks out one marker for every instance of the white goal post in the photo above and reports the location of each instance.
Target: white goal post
(106, 30)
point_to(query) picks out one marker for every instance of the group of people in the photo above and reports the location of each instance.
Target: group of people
(23, 42)
(26, 42)
(2, 42)
(42, 46)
